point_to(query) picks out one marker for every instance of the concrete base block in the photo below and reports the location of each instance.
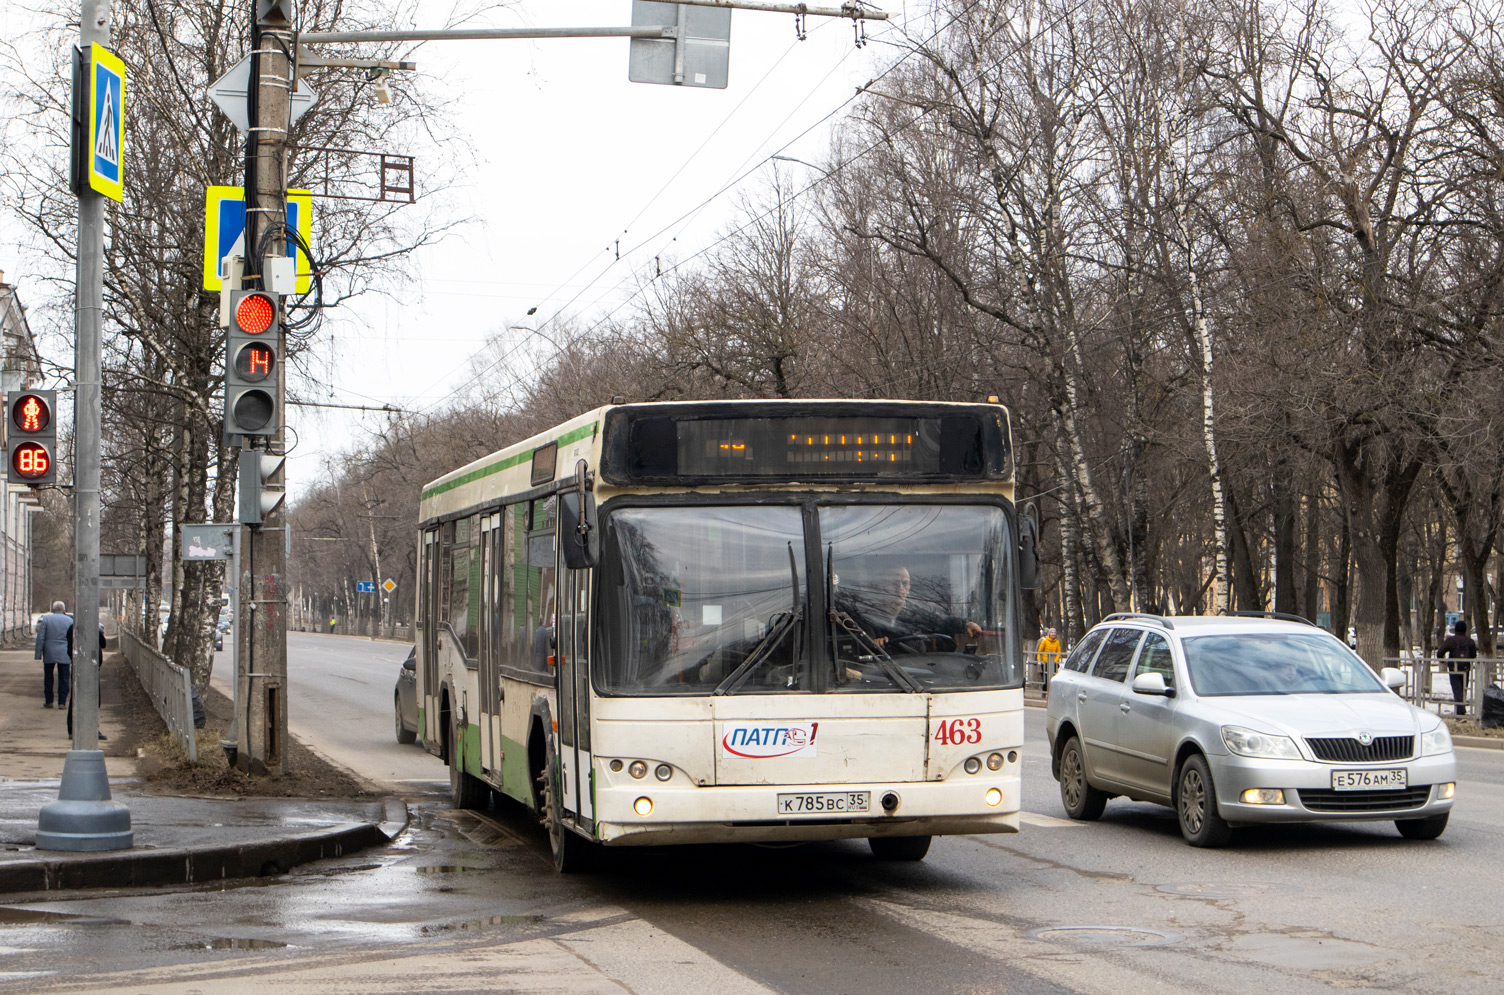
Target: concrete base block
(84, 819)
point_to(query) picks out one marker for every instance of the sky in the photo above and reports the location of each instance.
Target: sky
(571, 164)
(572, 158)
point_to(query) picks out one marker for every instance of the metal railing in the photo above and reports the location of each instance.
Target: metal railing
(1428, 682)
(169, 687)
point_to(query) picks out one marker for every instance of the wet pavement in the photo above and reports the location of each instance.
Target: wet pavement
(177, 840)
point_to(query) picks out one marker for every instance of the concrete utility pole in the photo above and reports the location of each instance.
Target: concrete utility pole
(262, 584)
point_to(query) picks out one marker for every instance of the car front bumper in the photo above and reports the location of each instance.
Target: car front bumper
(1309, 796)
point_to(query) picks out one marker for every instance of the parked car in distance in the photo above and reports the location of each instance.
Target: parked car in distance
(1233, 720)
(405, 699)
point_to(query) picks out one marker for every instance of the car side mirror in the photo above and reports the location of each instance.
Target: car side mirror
(1152, 683)
(1393, 678)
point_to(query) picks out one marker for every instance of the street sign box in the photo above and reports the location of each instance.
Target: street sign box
(365, 587)
(698, 57)
(208, 541)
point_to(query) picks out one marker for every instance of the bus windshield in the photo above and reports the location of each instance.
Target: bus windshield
(719, 599)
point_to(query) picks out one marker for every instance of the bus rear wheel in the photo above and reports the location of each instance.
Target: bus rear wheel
(899, 847)
(572, 853)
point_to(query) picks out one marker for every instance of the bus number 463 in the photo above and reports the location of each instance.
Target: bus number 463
(958, 732)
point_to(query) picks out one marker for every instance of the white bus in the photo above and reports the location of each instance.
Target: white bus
(732, 621)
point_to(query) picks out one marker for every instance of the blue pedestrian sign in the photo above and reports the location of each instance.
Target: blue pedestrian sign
(106, 123)
(365, 587)
(224, 231)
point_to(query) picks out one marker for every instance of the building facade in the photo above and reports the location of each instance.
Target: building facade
(20, 366)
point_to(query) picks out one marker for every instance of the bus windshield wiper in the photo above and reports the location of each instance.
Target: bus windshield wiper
(785, 623)
(841, 620)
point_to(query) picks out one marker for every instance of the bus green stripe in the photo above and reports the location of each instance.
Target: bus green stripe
(584, 431)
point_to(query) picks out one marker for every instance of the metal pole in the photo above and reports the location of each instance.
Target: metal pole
(483, 34)
(94, 27)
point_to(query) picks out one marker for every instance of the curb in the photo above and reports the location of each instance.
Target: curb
(196, 865)
(1479, 742)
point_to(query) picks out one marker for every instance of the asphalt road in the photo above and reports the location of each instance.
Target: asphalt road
(340, 704)
(468, 902)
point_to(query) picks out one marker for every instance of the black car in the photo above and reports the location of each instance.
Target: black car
(405, 699)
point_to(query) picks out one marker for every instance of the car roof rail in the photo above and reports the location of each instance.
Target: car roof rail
(1142, 617)
(1280, 615)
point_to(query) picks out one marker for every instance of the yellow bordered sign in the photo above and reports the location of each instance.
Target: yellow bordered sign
(224, 226)
(106, 123)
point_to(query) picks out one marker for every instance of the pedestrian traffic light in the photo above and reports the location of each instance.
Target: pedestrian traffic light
(31, 437)
(257, 500)
(251, 364)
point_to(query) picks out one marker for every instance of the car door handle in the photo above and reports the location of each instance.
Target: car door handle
(1081, 696)
(1125, 707)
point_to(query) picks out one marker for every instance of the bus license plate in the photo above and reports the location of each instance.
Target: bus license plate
(1369, 780)
(825, 803)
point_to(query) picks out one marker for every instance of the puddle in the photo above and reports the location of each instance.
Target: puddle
(1104, 936)
(1228, 889)
(28, 917)
(451, 869)
(230, 943)
(474, 924)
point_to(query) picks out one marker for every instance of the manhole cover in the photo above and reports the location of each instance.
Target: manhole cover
(1104, 935)
(1228, 889)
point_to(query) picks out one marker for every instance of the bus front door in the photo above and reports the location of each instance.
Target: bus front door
(572, 677)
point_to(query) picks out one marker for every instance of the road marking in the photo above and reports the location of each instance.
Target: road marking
(1047, 821)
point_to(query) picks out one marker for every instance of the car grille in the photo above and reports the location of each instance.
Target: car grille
(1350, 751)
(1327, 800)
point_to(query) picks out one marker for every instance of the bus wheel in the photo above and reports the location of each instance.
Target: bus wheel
(466, 791)
(572, 853)
(899, 847)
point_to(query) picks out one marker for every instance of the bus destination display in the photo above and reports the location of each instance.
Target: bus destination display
(807, 447)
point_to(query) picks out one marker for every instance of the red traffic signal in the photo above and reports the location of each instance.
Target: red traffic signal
(255, 313)
(31, 436)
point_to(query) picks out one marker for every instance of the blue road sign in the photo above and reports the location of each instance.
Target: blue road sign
(224, 226)
(365, 587)
(106, 123)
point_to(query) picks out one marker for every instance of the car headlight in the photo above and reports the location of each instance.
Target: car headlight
(1248, 743)
(1438, 740)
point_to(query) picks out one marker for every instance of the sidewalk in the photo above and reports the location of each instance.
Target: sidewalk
(177, 839)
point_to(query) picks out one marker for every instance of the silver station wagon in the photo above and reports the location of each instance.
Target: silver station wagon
(1233, 720)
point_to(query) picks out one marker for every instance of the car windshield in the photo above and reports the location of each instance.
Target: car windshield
(718, 600)
(1276, 663)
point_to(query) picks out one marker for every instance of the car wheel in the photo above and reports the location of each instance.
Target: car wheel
(404, 734)
(1196, 805)
(572, 853)
(1428, 828)
(466, 791)
(899, 847)
(1081, 800)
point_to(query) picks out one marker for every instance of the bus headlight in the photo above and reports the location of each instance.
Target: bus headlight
(994, 798)
(663, 772)
(638, 769)
(643, 806)
(994, 761)
(972, 765)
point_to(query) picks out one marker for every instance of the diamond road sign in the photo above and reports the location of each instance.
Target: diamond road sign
(389, 586)
(229, 95)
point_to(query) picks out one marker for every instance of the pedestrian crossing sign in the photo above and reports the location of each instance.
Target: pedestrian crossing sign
(106, 123)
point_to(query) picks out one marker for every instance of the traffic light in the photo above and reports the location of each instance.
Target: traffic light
(251, 364)
(31, 437)
(256, 501)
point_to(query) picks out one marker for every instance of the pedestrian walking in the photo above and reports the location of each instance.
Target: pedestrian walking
(52, 650)
(97, 690)
(1459, 651)
(332, 621)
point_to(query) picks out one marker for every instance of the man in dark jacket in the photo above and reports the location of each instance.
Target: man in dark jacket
(52, 650)
(1459, 651)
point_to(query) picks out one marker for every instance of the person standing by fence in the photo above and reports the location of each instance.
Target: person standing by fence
(1459, 651)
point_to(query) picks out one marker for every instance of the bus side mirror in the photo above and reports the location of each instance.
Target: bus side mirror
(1028, 551)
(579, 539)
